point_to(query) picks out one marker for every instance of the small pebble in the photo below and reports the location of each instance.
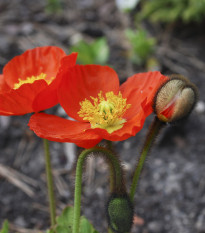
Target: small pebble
(20, 221)
(200, 107)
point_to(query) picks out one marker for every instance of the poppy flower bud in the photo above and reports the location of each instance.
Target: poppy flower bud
(175, 99)
(120, 213)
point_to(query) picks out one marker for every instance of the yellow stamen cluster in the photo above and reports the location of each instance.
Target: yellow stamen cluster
(32, 79)
(105, 112)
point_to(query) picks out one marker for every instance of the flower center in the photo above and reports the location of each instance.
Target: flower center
(105, 112)
(32, 79)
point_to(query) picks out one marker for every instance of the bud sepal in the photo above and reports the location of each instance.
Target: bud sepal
(175, 99)
(120, 213)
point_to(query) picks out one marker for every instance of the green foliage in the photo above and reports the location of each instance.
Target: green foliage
(53, 6)
(86, 227)
(5, 227)
(96, 52)
(65, 223)
(142, 46)
(172, 10)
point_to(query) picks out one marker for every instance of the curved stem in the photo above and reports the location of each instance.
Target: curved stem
(116, 177)
(49, 179)
(153, 132)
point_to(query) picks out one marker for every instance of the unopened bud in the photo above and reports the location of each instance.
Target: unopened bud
(175, 99)
(120, 213)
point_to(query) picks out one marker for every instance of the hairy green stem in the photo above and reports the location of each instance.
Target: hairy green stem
(50, 186)
(153, 132)
(116, 177)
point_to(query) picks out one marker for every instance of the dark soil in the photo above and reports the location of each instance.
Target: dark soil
(171, 193)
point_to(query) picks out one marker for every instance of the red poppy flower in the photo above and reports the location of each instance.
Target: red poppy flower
(101, 109)
(28, 83)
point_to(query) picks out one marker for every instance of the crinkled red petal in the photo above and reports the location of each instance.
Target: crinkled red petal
(81, 82)
(19, 101)
(140, 90)
(55, 128)
(32, 63)
(47, 98)
(3, 85)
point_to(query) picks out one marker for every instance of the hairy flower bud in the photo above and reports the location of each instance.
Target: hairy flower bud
(120, 213)
(175, 99)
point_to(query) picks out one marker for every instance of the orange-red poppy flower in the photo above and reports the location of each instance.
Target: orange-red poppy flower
(28, 83)
(100, 107)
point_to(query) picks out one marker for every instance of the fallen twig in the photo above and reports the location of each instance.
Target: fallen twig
(18, 179)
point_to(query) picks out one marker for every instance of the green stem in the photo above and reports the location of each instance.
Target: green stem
(153, 132)
(116, 177)
(49, 179)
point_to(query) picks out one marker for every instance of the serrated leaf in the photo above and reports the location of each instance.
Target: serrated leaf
(65, 223)
(100, 51)
(63, 229)
(173, 10)
(50, 231)
(96, 52)
(5, 227)
(85, 54)
(86, 226)
(66, 218)
(142, 46)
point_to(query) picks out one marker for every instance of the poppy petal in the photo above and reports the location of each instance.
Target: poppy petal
(140, 90)
(47, 98)
(3, 85)
(32, 63)
(19, 101)
(81, 82)
(58, 129)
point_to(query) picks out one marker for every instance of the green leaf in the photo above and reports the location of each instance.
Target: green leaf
(96, 52)
(63, 229)
(65, 223)
(53, 6)
(85, 55)
(173, 10)
(5, 227)
(100, 51)
(142, 46)
(50, 231)
(86, 226)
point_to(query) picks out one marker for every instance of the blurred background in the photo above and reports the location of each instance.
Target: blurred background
(131, 36)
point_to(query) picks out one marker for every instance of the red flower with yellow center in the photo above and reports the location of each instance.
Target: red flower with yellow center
(100, 107)
(28, 83)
